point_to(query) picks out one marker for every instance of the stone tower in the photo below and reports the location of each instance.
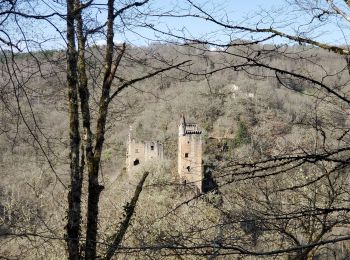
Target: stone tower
(190, 164)
(138, 153)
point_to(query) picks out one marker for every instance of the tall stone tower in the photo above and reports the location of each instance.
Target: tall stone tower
(190, 164)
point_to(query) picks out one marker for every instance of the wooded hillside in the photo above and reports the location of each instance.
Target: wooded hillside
(258, 132)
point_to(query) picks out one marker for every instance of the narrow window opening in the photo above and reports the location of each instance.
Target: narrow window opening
(186, 155)
(152, 147)
(188, 168)
(136, 162)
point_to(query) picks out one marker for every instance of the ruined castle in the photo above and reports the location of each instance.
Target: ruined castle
(190, 162)
(139, 153)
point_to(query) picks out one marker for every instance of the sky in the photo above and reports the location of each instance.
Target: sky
(266, 13)
(236, 10)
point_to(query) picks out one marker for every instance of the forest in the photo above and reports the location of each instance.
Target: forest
(275, 130)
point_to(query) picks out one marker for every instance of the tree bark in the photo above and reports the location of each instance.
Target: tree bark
(74, 195)
(95, 189)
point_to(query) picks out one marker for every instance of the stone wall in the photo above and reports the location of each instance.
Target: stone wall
(138, 153)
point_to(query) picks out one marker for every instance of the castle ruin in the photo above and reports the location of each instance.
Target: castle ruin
(190, 163)
(138, 153)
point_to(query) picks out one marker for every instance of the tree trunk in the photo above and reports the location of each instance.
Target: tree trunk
(74, 195)
(95, 188)
(129, 212)
(94, 191)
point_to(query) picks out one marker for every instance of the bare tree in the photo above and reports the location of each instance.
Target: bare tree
(87, 119)
(92, 146)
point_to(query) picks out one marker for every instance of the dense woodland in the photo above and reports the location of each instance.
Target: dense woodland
(274, 112)
(245, 117)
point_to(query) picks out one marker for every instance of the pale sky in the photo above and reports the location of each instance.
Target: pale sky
(267, 13)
